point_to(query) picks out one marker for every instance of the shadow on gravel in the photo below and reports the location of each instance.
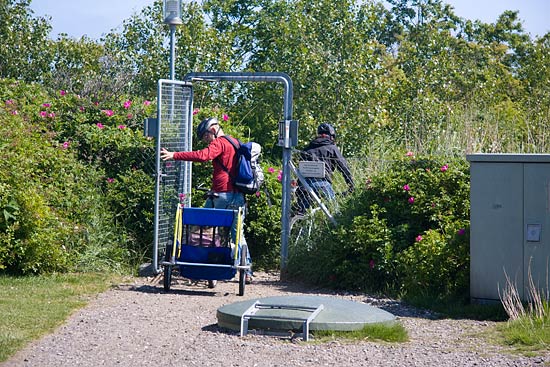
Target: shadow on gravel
(160, 290)
(215, 329)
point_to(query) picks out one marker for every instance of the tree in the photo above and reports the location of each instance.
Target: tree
(26, 51)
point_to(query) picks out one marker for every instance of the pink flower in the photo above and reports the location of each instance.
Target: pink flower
(122, 127)
(110, 180)
(46, 105)
(444, 168)
(81, 108)
(411, 200)
(182, 197)
(129, 116)
(225, 117)
(461, 232)
(9, 101)
(14, 112)
(371, 264)
(108, 112)
(406, 187)
(99, 125)
(127, 104)
(410, 154)
(146, 103)
(418, 238)
(271, 170)
(279, 177)
(43, 113)
(51, 115)
(195, 111)
(66, 145)
(62, 92)
(258, 194)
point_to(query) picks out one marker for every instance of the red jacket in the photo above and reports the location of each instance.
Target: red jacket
(219, 150)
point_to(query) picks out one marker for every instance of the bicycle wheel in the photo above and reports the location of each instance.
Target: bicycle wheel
(167, 277)
(167, 268)
(300, 228)
(242, 272)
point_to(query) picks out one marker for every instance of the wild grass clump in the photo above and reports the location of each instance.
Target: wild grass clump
(528, 327)
(384, 331)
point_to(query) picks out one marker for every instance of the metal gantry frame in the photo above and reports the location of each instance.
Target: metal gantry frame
(287, 138)
(267, 77)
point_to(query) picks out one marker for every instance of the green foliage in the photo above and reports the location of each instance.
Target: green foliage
(390, 332)
(131, 198)
(404, 230)
(528, 333)
(62, 213)
(263, 221)
(39, 199)
(25, 48)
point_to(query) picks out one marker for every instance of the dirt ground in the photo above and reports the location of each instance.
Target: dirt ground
(138, 324)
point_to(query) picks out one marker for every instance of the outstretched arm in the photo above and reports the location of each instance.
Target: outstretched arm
(343, 167)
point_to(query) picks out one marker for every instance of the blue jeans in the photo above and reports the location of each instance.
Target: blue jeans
(232, 200)
(320, 186)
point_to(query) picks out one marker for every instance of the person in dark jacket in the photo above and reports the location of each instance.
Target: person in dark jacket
(323, 148)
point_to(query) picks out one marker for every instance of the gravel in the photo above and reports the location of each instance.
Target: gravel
(138, 324)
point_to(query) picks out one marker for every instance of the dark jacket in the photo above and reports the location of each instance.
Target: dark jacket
(323, 149)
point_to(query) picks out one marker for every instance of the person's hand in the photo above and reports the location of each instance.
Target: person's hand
(166, 155)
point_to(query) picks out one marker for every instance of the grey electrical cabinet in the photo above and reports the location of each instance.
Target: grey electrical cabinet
(509, 223)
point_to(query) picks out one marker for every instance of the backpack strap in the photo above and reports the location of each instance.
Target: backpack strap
(236, 149)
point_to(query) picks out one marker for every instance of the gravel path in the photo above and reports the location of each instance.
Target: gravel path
(138, 324)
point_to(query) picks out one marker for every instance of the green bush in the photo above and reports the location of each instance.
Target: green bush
(263, 221)
(404, 231)
(53, 207)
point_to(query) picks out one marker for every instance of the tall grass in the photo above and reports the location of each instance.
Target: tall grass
(528, 327)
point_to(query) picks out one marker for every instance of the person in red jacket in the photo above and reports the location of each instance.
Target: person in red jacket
(222, 154)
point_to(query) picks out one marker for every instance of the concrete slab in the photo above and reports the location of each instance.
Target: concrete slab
(337, 314)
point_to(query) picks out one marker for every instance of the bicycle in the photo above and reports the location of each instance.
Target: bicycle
(303, 223)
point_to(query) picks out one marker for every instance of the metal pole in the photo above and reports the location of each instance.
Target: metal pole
(172, 52)
(172, 68)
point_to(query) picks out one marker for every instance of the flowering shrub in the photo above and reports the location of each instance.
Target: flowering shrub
(76, 187)
(405, 230)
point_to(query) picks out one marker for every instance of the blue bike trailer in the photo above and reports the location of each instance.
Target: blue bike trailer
(204, 248)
